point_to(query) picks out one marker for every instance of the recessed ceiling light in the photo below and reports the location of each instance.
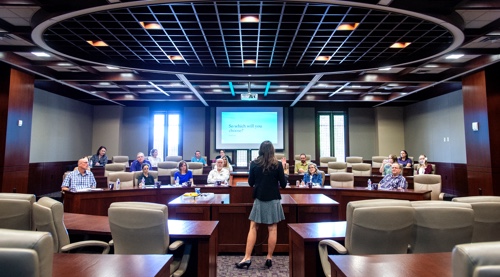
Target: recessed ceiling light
(283, 86)
(151, 26)
(97, 43)
(40, 54)
(393, 85)
(323, 58)
(176, 84)
(384, 69)
(431, 65)
(112, 67)
(249, 18)
(249, 75)
(347, 27)
(249, 62)
(281, 90)
(454, 56)
(126, 75)
(400, 45)
(176, 58)
(104, 83)
(64, 64)
(355, 86)
(214, 86)
(217, 90)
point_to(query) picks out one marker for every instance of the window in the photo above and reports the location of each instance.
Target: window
(331, 134)
(242, 158)
(166, 134)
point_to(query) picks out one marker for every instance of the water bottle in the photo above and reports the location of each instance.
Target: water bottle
(369, 184)
(91, 163)
(117, 184)
(177, 180)
(297, 183)
(143, 183)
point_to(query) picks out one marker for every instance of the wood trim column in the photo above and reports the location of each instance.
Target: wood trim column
(481, 101)
(16, 103)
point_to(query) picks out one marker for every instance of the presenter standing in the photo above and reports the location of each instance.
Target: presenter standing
(266, 176)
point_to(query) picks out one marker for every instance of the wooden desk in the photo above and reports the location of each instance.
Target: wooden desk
(239, 176)
(202, 234)
(346, 195)
(194, 208)
(315, 208)
(304, 238)
(84, 265)
(415, 265)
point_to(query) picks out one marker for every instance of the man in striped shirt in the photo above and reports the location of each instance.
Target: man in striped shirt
(81, 178)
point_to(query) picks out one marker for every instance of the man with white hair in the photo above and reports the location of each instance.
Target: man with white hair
(219, 173)
(80, 178)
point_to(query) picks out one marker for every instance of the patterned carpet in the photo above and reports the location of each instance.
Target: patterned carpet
(226, 267)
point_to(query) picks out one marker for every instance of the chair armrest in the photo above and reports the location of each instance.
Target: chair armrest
(323, 253)
(175, 245)
(441, 196)
(86, 243)
(111, 243)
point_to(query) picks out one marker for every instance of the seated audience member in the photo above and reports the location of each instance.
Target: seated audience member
(81, 178)
(312, 175)
(222, 154)
(301, 168)
(394, 180)
(184, 174)
(227, 165)
(137, 164)
(423, 167)
(385, 168)
(100, 158)
(198, 158)
(148, 179)
(403, 160)
(285, 166)
(153, 157)
(219, 173)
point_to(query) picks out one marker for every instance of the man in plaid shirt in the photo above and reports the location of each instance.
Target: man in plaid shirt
(81, 178)
(394, 180)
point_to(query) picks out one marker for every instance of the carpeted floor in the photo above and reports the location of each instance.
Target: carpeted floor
(226, 267)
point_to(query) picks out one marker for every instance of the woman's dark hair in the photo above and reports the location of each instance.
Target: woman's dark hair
(145, 164)
(181, 163)
(266, 158)
(406, 154)
(152, 151)
(99, 150)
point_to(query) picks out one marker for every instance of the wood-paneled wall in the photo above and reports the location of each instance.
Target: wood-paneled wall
(16, 105)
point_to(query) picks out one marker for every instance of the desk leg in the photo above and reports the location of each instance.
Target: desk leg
(207, 255)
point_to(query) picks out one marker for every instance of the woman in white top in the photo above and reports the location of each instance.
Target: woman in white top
(153, 157)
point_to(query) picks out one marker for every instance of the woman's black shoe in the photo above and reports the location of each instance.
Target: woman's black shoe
(246, 263)
(269, 263)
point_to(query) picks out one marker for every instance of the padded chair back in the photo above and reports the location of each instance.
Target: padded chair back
(466, 258)
(439, 227)
(353, 160)
(173, 159)
(278, 156)
(323, 161)
(486, 216)
(487, 271)
(377, 161)
(428, 182)
(120, 160)
(25, 253)
(297, 159)
(342, 180)
(362, 169)
(353, 205)
(138, 173)
(48, 216)
(16, 211)
(337, 167)
(322, 177)
(118, 167)
(196, 168)
(380, 230)
(139, 227)
(164, 168)
(126, 179)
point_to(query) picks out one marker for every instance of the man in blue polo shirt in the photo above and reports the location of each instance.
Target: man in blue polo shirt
(137, 164)
(198, 158)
